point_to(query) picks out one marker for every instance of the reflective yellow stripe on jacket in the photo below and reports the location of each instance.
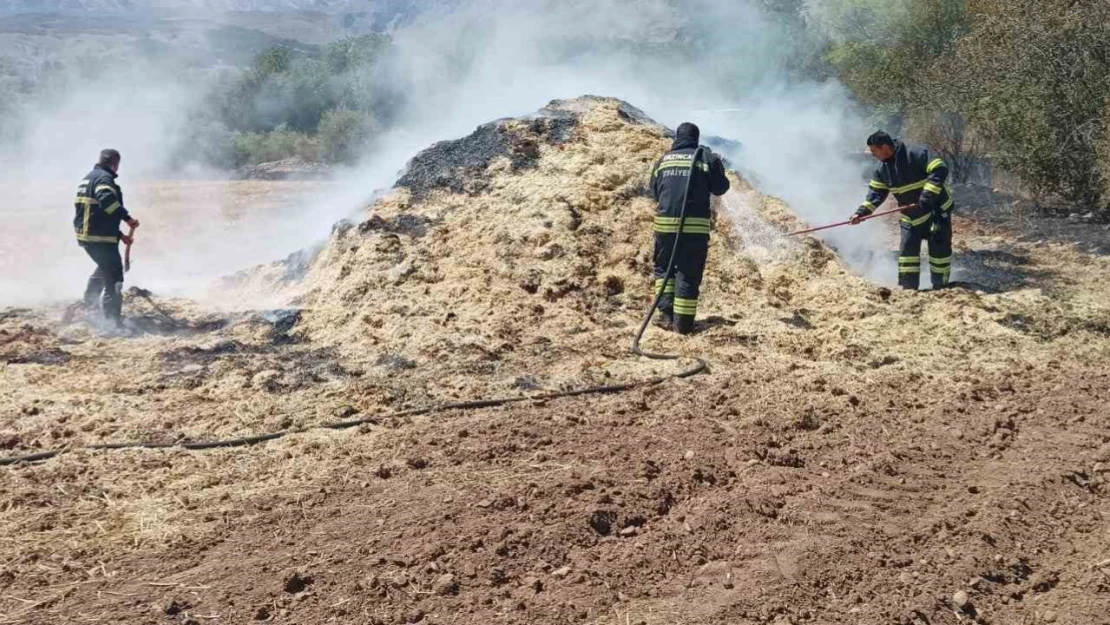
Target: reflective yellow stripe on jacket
(692, 225)
(909, 187)
(92, 238)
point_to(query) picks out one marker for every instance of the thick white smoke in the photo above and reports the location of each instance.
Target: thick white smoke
(454, 68)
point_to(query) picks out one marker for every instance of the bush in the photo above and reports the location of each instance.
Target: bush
(253, 148)
(1103, 164)
(344, 134)
(293, 89)
(1041, 93)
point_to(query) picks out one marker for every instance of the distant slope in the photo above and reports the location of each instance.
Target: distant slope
(37, 35)
(200, 7)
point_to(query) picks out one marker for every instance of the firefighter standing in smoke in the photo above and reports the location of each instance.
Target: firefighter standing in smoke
(679, 304)
(917, 179)
(100, 210)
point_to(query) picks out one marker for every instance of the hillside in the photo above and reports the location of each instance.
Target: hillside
(853, 456)
(39, 37)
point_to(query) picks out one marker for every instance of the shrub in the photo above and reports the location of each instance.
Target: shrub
(344, 134)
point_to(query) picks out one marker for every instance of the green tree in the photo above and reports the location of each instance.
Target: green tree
(344, 135)
(1036, 74)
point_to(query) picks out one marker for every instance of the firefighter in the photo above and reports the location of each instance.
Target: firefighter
(917, 180)
(669, 177)
(99, 211)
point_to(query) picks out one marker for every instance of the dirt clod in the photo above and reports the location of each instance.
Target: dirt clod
(446, 585)
(602, 522)
(297, 583)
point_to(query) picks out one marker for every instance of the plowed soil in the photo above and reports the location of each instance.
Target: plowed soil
(854, 455)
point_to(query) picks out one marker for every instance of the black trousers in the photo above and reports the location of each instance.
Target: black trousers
(106, 283)
(938, 232)
(680, 294)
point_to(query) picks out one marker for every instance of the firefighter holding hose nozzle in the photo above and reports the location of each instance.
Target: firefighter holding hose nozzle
(683, 173)
(99, 212)
(917, 180)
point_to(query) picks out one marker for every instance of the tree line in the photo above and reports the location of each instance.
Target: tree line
(1021, 84)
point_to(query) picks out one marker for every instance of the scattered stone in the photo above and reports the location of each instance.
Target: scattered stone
(1049, 616)
(485, 503)
(562, 572)
(689, 454)
(905, 578)
(446, 585)
(961, 600)
(630, 531)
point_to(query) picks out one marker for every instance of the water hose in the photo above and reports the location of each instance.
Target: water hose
(699, 366)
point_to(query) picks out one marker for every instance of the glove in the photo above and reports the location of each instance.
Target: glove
(858, 216)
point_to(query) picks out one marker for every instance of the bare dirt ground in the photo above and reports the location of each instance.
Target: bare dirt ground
(853, 456)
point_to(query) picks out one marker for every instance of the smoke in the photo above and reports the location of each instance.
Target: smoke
(727, 66)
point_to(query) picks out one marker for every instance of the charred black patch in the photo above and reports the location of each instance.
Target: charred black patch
(283, 322)
(52, 356)
(409, 225)
(460, 166)
(204, 355)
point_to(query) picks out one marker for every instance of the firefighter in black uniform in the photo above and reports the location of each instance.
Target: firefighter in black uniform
(917, 180)
(99, 208)
(669, 177)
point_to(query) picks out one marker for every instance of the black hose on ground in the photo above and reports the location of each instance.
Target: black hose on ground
(700, 366)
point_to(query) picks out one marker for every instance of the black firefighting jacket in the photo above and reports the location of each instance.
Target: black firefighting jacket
(668, 183)
(99, 208)
(916, 179)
